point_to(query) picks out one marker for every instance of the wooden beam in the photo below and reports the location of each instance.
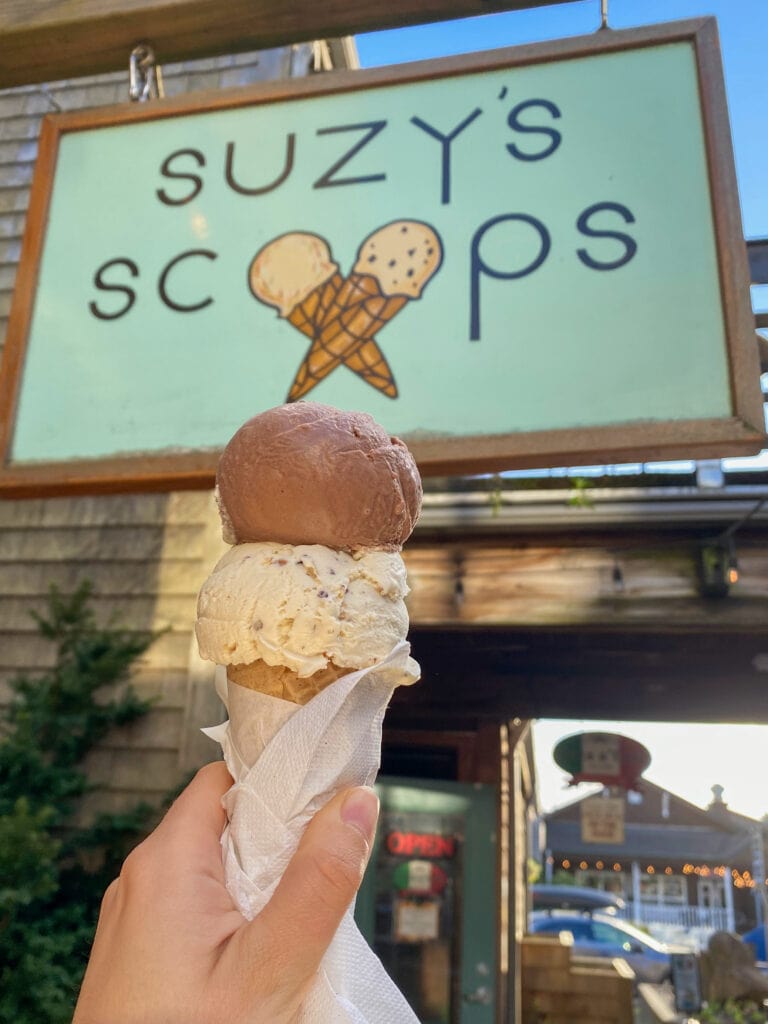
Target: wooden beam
(481, 675)
(42, 41)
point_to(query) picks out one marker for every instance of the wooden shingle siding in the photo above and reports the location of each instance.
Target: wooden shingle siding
(146, 557)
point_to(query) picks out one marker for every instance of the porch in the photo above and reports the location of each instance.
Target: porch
(685, 917)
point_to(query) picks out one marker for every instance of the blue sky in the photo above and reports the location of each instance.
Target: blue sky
(686, 759)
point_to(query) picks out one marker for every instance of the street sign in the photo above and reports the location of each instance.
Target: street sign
(528, 257)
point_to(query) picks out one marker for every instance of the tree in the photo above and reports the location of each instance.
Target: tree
(53, 872)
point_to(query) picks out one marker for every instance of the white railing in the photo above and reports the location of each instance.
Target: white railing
(715, 918)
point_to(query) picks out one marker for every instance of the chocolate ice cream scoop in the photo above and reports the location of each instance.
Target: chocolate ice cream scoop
(307, 473)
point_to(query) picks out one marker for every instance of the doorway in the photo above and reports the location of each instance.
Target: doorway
(428, 903)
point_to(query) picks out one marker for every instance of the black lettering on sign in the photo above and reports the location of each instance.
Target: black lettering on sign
(554, 136)
(372, 129)
(585, 228)
(260, 190)
(105, 286)
(163, 282)
(445, 141)
(168, 172)
(479, 266)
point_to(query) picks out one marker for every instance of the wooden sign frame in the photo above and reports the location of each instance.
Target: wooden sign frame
(741, 433)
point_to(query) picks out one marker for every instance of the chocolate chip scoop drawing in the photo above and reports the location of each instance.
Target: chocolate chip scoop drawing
(297, 275)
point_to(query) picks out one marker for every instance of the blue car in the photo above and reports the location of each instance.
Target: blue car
(610, 937)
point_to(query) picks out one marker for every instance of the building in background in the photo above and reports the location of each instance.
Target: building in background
(681, 870)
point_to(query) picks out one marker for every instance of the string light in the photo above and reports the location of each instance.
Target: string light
(617, 867)
(651, 870)
(566, 864)
(599, 865)
(667, 871)
(583, 865)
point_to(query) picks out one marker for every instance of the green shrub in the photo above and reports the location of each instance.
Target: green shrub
(734, 1011)
(53, 874)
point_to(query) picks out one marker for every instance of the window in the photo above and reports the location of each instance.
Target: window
(711, 892)
(663, 889)
(579, 929)
(610, 936)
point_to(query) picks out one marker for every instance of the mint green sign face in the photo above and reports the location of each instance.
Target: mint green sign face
(572, 279)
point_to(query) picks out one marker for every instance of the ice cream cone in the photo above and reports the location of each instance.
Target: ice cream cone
(281, 682)
(296, 274)
(393, 265)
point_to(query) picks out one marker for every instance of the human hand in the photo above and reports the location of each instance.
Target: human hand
(172, 948)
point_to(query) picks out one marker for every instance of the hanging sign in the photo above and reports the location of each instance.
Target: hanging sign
(526, 257)
(602, 820)
(613, 760)
(419, 877)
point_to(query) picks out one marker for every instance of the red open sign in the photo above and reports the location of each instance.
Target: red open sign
(420, 844)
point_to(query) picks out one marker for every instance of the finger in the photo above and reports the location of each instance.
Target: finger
(317, 887)
(195, 821)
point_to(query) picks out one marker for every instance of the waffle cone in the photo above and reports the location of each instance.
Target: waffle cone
(307, 315)
(283, 683)
(350, 329)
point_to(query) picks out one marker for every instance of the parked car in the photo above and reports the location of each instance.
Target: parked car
(574, 897)
(601, 935)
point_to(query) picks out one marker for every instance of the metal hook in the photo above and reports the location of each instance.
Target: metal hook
(145, 79)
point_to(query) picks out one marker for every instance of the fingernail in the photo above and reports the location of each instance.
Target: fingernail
(361, 810)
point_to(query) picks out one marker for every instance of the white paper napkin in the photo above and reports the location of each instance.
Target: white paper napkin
(287, 761)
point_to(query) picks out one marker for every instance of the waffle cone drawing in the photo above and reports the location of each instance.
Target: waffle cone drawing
(307, 315)
(349, 335)
(283, 683)
(394, 265)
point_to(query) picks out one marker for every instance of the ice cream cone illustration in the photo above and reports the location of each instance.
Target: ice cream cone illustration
(296, 274)
(394, 265)
(369, 363)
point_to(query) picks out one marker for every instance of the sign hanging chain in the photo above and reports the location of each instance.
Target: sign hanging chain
(145, 78)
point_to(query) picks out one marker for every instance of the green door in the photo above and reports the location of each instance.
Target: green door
(428, 902)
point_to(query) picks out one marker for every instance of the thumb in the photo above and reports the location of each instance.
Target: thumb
(319, 884)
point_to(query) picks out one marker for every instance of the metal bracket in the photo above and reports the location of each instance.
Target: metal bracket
(145, 79)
